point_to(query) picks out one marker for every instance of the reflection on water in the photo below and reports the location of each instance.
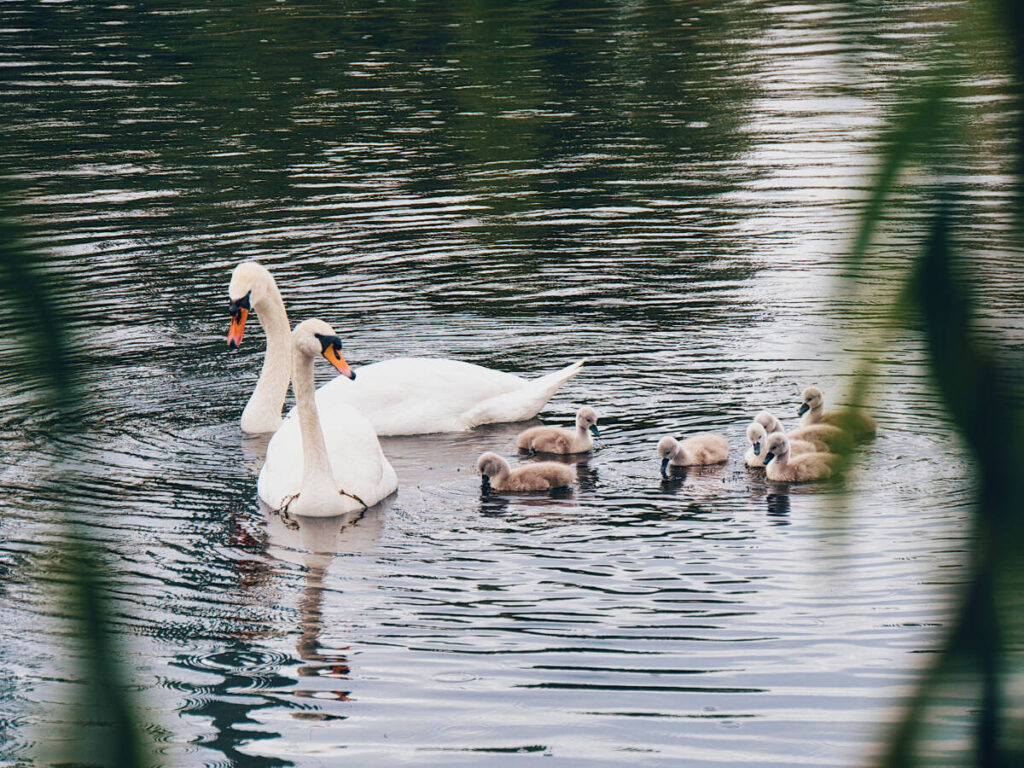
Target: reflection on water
(662, 189)
(778, 507)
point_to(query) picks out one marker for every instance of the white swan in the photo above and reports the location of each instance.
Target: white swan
(404, 396)
(327, 463)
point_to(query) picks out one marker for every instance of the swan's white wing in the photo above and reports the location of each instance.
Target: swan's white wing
(357, 461)
(418, 395)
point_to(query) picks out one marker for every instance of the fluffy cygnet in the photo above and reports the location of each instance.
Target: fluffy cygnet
(783, 467)
(812, 409)
(758, 437)
(560, 440)
(540, 476)
(825, 437)
(771, 424)
(698, 450)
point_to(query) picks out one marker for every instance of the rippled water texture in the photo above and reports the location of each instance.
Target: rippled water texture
(665, 189)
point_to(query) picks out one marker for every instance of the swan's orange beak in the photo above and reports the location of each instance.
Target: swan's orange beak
(237, 327)
(334, 357)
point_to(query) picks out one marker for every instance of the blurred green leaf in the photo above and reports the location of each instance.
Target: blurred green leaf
(39, 323)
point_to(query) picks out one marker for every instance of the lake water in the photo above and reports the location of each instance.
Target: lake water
(664, 189)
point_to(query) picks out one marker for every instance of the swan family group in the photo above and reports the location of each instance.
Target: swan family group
(324, 458)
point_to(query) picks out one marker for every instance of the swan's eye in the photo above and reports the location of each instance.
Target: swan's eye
(327, 342)
(234, 307)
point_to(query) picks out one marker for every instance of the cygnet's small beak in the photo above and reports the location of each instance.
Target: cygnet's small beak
(595, 430)
(485, 481)
(664, 467)
(804, 408)
(333, 356)
(757, 447)
(768, 457)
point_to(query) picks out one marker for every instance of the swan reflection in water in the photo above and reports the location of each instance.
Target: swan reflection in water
(329, 665)
(314, 543)
(678, 475)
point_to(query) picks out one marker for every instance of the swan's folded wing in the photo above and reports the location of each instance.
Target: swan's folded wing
(357, 462)
(417, 395)
(521, 404)
(359, 465)
(281, 474)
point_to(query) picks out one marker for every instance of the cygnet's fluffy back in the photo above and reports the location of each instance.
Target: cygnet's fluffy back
(549, 439)
(539, 476)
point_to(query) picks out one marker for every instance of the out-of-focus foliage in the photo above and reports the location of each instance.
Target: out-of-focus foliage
(36, 322)
(980, 386)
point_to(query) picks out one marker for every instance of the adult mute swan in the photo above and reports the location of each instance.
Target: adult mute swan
(404, 396)
(327, 463)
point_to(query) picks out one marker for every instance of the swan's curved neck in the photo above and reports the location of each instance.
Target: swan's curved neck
(263, 411)
(317, 493)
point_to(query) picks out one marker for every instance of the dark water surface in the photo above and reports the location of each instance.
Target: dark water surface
(664, 189)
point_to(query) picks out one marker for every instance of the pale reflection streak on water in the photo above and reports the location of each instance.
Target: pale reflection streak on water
(670, 206)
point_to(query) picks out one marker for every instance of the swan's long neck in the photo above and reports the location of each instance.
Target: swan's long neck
(680, 454)
(317, 487)
(263, 411)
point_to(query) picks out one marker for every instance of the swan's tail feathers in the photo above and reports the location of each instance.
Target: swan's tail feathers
(553, 381)
(522, 403)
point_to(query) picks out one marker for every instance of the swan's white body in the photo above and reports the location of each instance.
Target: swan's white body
(420, 395)
(322, 463)
(358, 465)
(404, 396)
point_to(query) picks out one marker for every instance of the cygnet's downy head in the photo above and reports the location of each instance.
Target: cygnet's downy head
(812, 400)
(666, 450)
(757, 435)
(490, 465)
(586, 418)
(248, 286)
(777, 445)
(315, 337)
(767, 420)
